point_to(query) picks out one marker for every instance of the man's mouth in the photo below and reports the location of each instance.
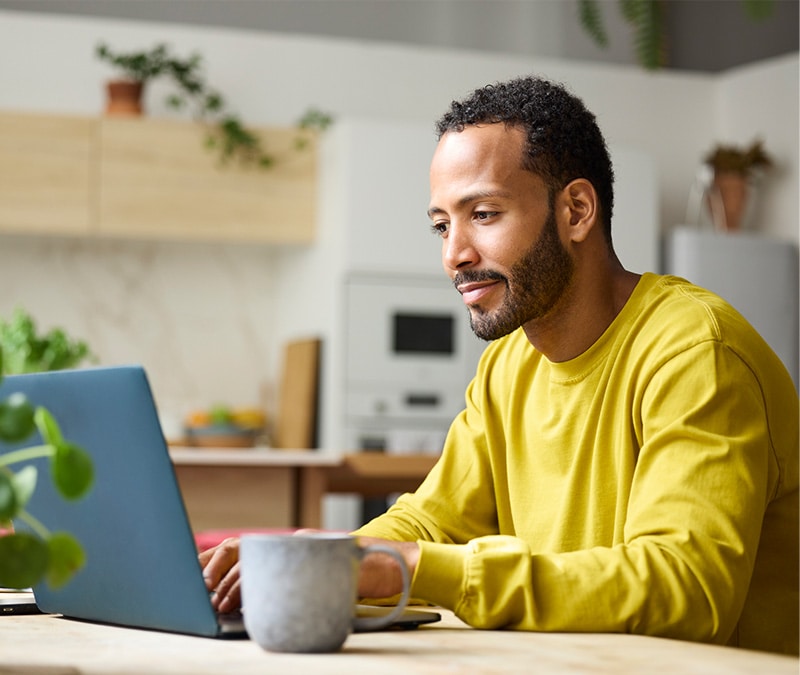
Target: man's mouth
(476, 286)
(473, 293)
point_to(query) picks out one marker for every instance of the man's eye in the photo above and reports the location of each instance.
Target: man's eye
(439, 228)
(484, 215)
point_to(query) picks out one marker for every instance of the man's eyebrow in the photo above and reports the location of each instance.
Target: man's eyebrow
(472, 197)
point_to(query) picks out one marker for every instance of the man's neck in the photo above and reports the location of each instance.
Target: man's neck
(582, 315)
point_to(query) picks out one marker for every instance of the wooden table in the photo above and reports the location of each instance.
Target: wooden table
(50, 645)
(261, 488)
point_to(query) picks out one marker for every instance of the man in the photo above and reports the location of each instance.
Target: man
(628, 456)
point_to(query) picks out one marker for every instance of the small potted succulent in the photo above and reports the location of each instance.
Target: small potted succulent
(27, 557)
(124, 94)
(227, 135)
(733, 172)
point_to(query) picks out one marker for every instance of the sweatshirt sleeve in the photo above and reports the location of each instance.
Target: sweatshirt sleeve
(456, 502)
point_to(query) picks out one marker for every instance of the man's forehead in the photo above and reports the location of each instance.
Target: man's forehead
(496, 132)
(478, 146)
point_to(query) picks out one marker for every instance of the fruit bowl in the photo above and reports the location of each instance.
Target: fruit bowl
(224, 428)
(220, 436)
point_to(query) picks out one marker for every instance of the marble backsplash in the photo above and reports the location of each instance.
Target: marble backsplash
(197, 316)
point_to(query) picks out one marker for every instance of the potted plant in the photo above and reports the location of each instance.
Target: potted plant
(733, 172)
(226, 134)
(26, 557)
(27, 351)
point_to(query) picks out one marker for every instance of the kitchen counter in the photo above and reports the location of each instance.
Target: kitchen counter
(256, 456)
(268, 488)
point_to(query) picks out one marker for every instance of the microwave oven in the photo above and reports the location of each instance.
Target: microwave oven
(410, 352)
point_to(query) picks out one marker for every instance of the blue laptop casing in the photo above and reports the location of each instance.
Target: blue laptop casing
(142, 568)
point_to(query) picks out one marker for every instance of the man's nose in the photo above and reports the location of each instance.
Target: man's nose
(458, 250)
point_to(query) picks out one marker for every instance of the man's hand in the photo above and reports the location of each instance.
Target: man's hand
(379, 576)
(221, 573)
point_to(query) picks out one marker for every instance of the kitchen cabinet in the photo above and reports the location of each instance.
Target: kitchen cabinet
(158, 180)
(46, 174)
(144, 178)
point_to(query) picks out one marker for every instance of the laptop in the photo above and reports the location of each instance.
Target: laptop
(15, 601)
(141, 566)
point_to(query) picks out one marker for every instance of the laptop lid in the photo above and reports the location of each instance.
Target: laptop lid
(141, 561)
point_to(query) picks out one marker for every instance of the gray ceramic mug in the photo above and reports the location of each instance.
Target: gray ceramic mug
(299, 592)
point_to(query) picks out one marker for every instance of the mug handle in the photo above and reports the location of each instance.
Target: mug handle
(365, 623)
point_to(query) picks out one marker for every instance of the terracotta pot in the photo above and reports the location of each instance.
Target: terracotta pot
(730, 192)
(124, 98)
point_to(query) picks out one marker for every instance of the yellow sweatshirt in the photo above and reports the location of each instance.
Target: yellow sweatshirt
(648, 486)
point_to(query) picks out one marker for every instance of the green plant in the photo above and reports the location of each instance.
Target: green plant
(28, 557)
(226, 134)
(738, 160)
(25, 351)
(646, 18)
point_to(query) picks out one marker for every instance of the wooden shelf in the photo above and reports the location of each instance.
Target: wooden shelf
(144, 178)
(158, 180)
(45, 174)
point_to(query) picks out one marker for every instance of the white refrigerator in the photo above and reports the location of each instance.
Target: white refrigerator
(757, 274)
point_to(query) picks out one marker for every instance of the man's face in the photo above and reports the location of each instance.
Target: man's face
(500, 236)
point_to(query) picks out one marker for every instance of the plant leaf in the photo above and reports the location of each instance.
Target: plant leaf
(16, 418)
(592, 21)
(646, 19)
(48, 427)
(316, 119)
(65, 558)
(72, 470)
(24, 484)
(26, 351)
(8, 496)
(23, 560)
(758, 10)
(176, 102)
(630, 10)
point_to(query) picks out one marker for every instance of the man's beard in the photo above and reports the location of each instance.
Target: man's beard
(536, 282)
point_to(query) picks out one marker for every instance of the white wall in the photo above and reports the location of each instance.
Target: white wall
(48, 65)
(199, 317)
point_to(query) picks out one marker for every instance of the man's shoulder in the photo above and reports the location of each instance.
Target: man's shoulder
(677, 316)
(676, 305)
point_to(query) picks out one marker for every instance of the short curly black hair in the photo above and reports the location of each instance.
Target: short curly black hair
(564, 141)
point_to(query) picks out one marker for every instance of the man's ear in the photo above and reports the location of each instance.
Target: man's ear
(579, 203)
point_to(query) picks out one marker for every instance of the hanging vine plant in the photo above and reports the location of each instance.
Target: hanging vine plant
(647, 22)
(226, 134)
